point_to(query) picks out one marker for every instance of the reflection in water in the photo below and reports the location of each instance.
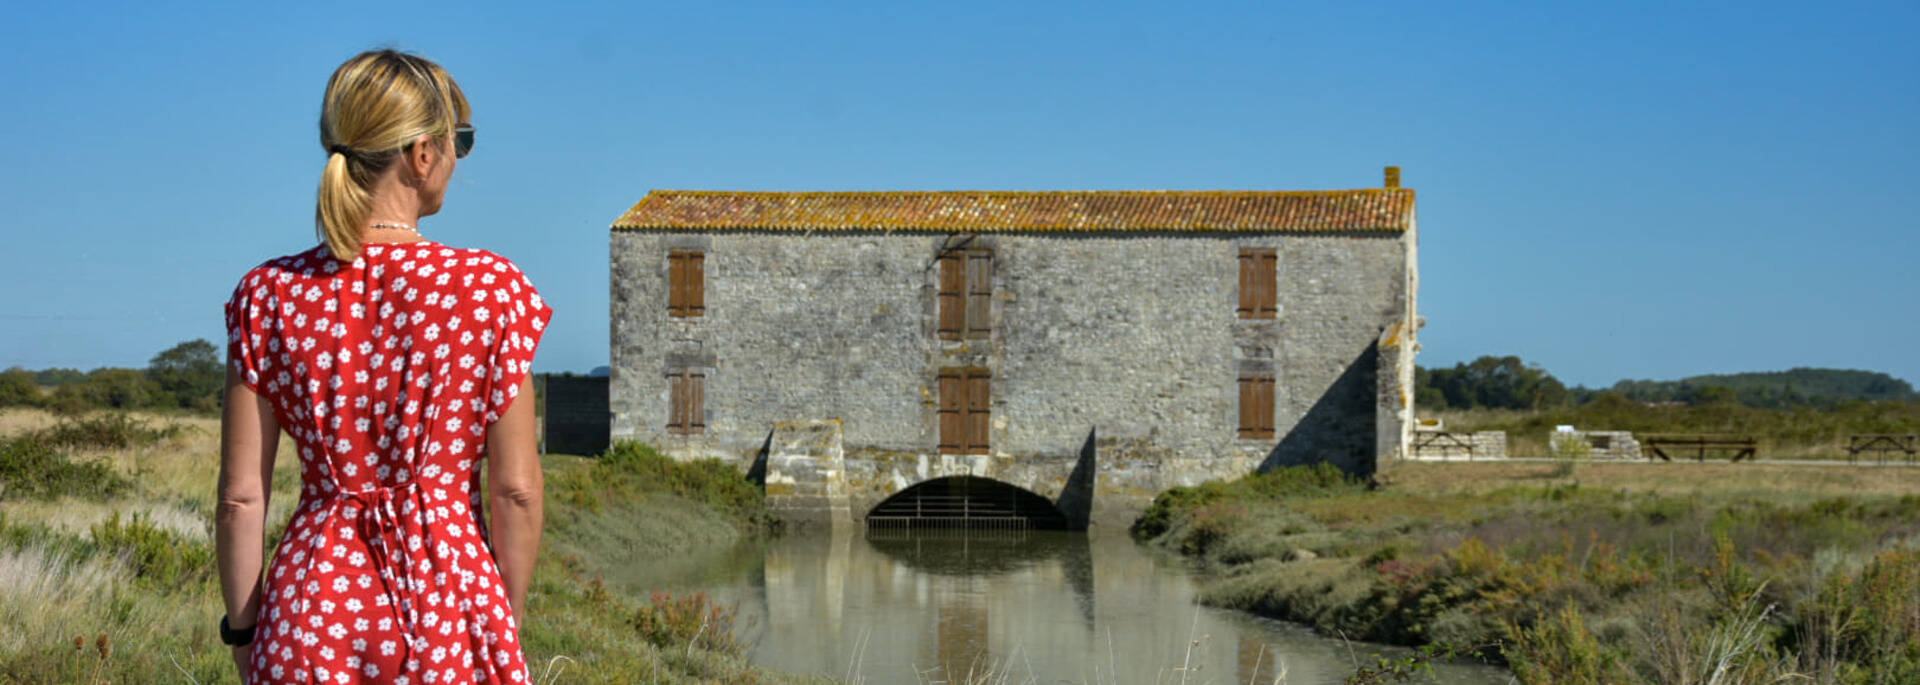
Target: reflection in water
(964, 553)
(908, 606)
(962, 637)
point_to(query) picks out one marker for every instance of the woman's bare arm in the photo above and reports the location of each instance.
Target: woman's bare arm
(515, 490)
(249, 436)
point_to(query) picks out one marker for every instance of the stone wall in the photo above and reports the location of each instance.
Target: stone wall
(1122, 346)
(1594, 444)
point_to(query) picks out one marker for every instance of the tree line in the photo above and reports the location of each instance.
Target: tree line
(1512, 383)
(188, 376)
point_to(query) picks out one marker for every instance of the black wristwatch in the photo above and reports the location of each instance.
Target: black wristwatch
(235, 638)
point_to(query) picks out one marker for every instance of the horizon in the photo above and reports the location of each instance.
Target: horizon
(605, 369)
(1614, 193)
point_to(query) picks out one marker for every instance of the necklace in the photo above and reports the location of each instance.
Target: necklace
(395, 226)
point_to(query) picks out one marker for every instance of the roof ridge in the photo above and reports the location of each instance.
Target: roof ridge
(1360, 209)
(902, 193)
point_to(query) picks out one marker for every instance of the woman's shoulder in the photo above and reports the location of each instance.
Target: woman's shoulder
(285, 269)
(488, 260)
(483, 268)
(446, 256)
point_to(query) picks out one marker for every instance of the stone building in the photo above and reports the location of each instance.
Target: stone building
(1089, 347)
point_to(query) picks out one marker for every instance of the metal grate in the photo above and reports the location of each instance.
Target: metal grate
(966, 502)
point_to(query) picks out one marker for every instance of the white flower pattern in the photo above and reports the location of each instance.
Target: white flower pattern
(410, 592)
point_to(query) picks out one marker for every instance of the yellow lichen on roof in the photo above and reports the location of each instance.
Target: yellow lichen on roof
(1365, 210)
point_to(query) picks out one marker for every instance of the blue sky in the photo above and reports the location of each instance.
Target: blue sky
(1617, 190)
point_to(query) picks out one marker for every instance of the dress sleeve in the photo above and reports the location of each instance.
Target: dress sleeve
(247, 311)
(523, 318)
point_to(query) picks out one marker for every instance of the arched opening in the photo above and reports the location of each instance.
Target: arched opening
(966, 502)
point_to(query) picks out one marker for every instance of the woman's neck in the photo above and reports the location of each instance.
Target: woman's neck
(394, 212)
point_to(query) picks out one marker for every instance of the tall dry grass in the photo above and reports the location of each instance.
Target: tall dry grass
(1616, 573)
(117, 585)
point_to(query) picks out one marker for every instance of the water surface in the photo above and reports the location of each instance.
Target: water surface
(1040, 607)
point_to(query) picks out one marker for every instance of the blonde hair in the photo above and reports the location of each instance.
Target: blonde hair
(376, 104)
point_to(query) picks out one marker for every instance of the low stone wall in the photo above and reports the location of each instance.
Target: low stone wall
(1605, 445)
(1490, 444)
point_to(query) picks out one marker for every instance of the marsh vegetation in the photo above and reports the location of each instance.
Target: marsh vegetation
(1692, 573)
(107, 575)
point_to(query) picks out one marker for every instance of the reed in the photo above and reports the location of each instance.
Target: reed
(1623, 573)
(108, 577)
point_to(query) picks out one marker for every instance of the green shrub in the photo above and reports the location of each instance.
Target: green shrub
(108, 389)
(1561, 650)
(633, 469)
(30, 468)
(1865, 627)
(18, 389)
(159, 557)
(694, 620)
(1171, 505)
(1289, 482)
(104, 430)
(153, 554)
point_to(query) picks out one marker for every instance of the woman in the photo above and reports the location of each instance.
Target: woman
(392, 361)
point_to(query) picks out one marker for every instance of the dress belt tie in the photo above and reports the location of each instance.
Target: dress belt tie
(377, 521)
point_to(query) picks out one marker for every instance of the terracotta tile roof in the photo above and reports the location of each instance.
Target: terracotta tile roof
(1371, 210)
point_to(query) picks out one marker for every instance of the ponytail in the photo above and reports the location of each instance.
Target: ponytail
(375, 104)
(342, 209)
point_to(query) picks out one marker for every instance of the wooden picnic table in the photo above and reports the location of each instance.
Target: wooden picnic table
(1443, 442)
(1882, 444)
(1742, 446)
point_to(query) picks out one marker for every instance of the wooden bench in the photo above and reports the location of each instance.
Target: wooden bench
(1742, 446)
(1882, 444)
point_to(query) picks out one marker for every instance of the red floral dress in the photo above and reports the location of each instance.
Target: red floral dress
(386, 371)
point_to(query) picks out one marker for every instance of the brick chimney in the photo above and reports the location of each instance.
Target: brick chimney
(1393, 177)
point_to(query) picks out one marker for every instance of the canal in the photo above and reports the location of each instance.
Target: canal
(907, 606)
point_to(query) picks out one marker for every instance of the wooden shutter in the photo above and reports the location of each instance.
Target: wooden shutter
(696, 283)
(686, 283)
(953, 290)
(686, 402)
(965, 411)
(1247, 408)
(1259, 283)
(676, 284)
(978, 397)
(1266, 407)
(979, 293)
(696, 403)
(1267, 270)
(1256, 406)
(952, 412)
(1246, 307)
(676, 402)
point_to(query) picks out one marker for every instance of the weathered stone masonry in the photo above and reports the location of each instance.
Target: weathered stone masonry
(1116, 349)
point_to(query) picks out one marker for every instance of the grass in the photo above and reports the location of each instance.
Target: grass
(1613, 573)
(106, 570)
(1783, 433)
